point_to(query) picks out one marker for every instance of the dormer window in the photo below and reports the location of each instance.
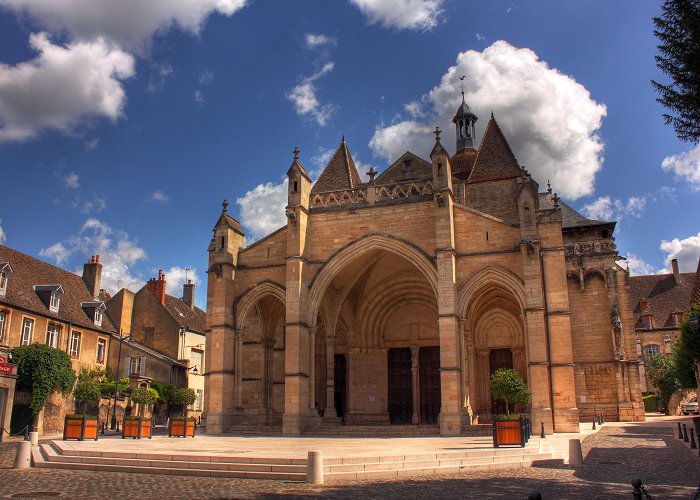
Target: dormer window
(50, 295)
(647, 321)
(95, 310)
(676, 317)
(98, 317)
(643, 304)
(5, 270)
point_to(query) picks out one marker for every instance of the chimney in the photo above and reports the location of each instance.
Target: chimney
(157, 286)
(188, 293)
(676, 274)
(92, 275)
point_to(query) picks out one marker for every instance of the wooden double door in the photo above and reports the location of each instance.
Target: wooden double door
(404, 401)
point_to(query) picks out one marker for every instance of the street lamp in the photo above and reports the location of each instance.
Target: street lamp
(113, 423)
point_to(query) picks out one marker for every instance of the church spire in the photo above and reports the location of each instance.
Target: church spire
(464, 121)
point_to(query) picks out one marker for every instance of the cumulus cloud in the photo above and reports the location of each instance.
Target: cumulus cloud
(637, 266)
(549, 119)
(685, 166)
(72, 180)
(117, 251)
(480, 37)
(93, 205)
(262, 209)
(62, 87)
(303, 96)
(205, 77)
(3, 235)
(159, 76)
(315, 41)
(130, 26)
(687, 251)
(198, 96)
(605, 208)
(177, 276)
(402, 14)
(158, 197)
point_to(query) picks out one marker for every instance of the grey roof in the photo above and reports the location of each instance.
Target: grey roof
(570, 217)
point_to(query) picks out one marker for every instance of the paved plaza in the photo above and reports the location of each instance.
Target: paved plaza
(615, 455)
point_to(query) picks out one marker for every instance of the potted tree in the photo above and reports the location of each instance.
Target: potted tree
(508, 386)
(87, 390)
(182, 426)
(139, 426)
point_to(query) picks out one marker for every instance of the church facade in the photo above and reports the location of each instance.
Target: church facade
(392, 301)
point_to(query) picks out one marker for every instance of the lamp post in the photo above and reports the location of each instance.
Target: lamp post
(113, 423)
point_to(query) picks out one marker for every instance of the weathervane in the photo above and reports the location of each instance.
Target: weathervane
(461, 79)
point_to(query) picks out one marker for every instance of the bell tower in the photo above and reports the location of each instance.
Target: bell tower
(464, 121)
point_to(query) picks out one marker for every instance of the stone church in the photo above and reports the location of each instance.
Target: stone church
(392, 301)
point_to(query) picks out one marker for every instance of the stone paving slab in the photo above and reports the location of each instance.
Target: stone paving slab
(614, 456)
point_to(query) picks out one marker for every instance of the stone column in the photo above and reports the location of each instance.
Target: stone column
(238, 370)
(312, 366)
(267, 345)
(415, 384)
(330, 377)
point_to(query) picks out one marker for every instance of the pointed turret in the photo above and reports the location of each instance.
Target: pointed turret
(340, 172)
(495, 159)
(299, 184)
(464, 121)
(442, 170)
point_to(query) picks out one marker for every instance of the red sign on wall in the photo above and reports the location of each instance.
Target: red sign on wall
(6, 368)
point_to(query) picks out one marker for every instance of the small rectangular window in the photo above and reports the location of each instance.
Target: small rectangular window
(3, 283)
(27, 331)
(52, 332)
(74, 344)
(651, 350)
(100, 355)
(137, 365)
(200, 399)
(98, 317)
(55, 302)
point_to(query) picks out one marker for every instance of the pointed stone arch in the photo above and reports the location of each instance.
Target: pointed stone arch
(250, 297)
(368, 243)
(490, 275)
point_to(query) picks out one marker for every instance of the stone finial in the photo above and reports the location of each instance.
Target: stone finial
(372, 173)
(437, 134)
(225, 206)
(555, 199)
(296, 153)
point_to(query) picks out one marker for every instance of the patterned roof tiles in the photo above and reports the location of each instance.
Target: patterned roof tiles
(495, 159)
(339, 174)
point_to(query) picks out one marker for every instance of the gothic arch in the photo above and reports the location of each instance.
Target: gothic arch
(251, 297)
(367, 243)
(490, 275)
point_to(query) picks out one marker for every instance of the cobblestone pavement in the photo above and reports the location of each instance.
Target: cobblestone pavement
(613, 457)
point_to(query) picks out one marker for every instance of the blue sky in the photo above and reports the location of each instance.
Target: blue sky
(123, 129)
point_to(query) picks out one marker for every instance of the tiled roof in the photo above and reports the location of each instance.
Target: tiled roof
(340, 173)
(28, 271)
(664, 297)
(400, 170)
(570, 218)
(695, 297)
(194, 319)
(463, 162)
(495, 159)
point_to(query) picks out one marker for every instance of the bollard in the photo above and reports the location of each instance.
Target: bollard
(685, 434)
(23, 457)
(314, 468)
(692, 439)
(34, 438)
(542, 435)
(26, 433)
(637, 492)
(594, 423)
(575, 453)
(680, 432)
(602, 418)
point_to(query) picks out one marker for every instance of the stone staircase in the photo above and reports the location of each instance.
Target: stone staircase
(57, 455)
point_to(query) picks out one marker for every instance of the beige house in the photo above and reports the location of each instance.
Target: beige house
(41, 303)
(390, 302)
(162, 337)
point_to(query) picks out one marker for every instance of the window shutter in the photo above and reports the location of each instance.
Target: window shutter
(127, 366)
(143, 366)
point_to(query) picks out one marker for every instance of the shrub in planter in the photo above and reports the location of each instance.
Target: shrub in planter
(184, 397)
(510, 429)
(137, 427)
(509, 386)
(87, 390)
(143, 396)
(182, 427)
(80, 427)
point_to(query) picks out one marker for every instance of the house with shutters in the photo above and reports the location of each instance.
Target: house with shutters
(162, 336)
(41, 303)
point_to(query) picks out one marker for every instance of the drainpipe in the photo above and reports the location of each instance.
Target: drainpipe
(546, 334)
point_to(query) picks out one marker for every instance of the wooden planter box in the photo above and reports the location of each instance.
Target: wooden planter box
(136, 427)
(182, 428)
(511, 432)
(80, 427)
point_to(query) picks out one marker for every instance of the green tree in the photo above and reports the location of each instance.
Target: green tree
(184, 397)
(685, 350)
(678, 30)
(143, 396)
(509, 386)
(661, 370)
(88, 388)
(42, 370)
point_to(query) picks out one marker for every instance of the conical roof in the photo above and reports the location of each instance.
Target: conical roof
(339, 174)
(495, 159)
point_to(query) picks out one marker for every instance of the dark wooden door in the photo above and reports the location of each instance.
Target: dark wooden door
(429, 370)
(499, 358)
(400, 386)
(340, 387)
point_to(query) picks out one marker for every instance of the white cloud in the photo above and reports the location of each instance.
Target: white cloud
(3, 235)
(415, 109)
(62, 87)
(605, 208)
(198, 96)
(637, 266)
(92, 145)
(549, 119)
(402, 14)
(687, 251)
(363, 168)
(315, 41)
(303, 96)
(94, 205)
(177, 276)
(205, 77)
(480, 37)
(129, 25)
(159, 75)
(320, 160)
(262, 209)
(117, 251)
(685, 166)
(158, 197)
(72, 180)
